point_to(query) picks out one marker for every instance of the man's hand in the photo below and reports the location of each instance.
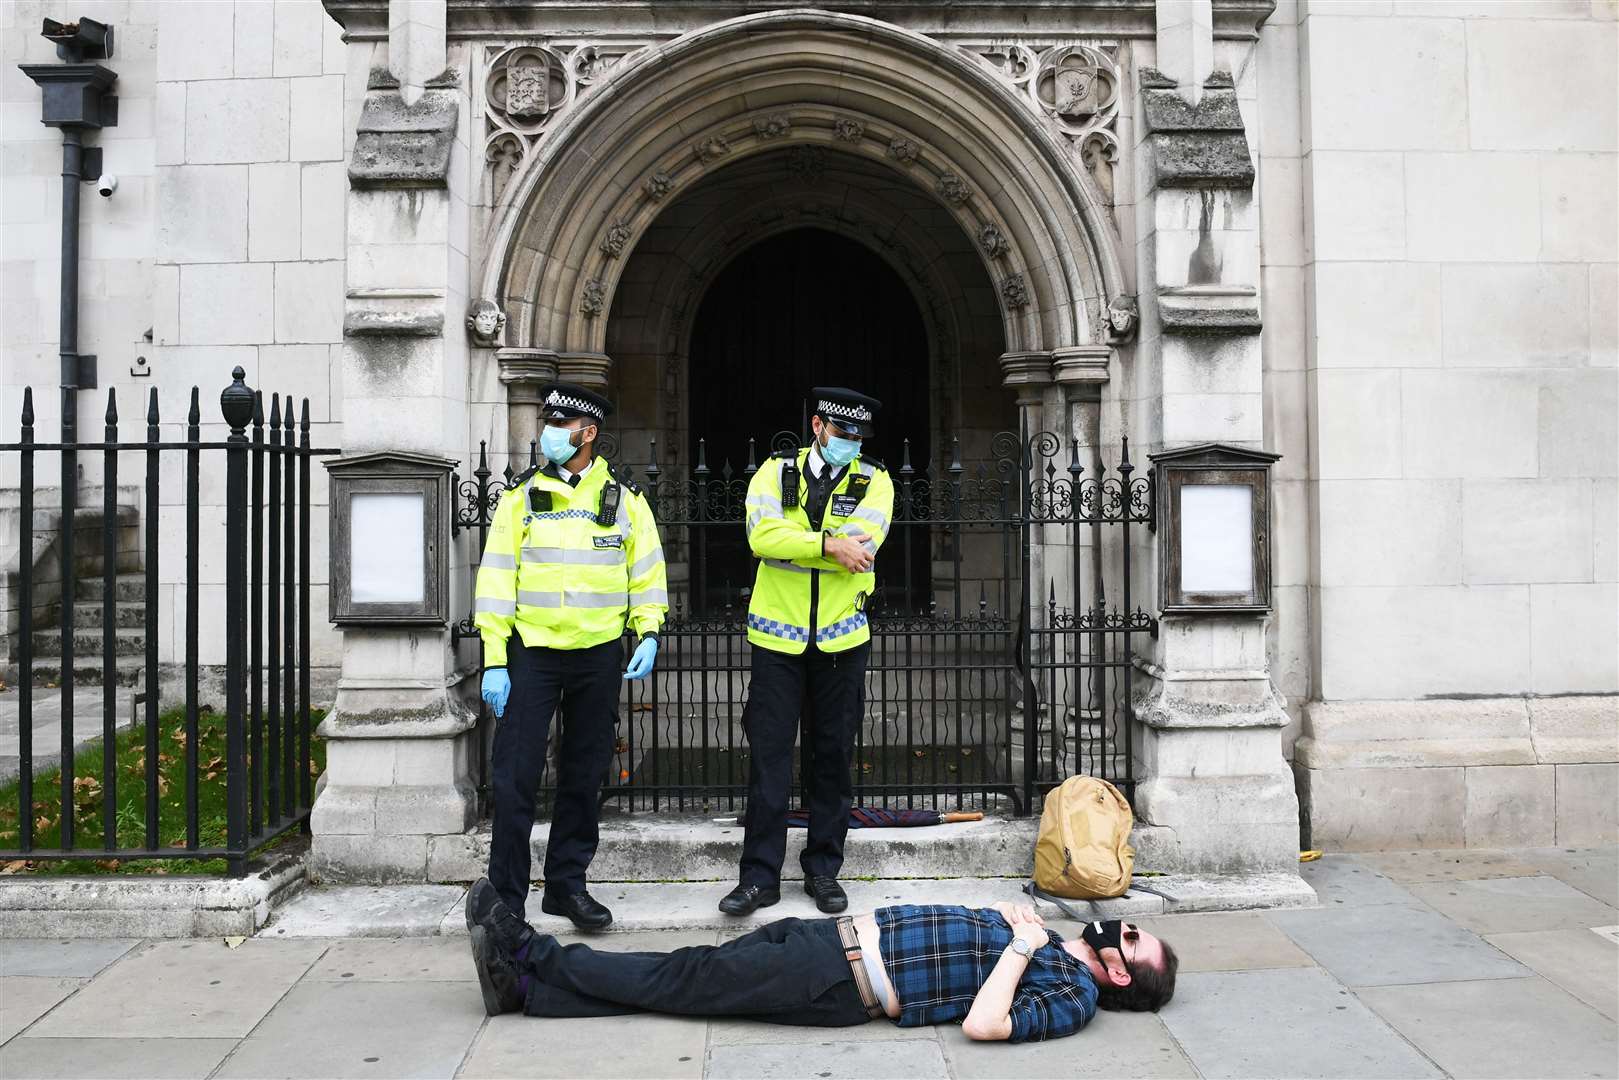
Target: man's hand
(848, 553)
(1018, 913)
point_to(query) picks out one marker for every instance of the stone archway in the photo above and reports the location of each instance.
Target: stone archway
(668, 116)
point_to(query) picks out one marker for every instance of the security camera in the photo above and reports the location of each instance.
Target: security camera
(106, 184)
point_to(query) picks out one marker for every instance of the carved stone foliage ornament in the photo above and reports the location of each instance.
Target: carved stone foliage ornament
(618, 234)
(593, 297)
(772, 127)
(486, 322)
(1076, 89)
(527, 88)
(993, 241)
(848, 130)
(953, 189)
(712, 148)
(658, 185)
(903, 149)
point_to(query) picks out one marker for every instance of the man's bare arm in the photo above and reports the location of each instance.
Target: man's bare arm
(990, 1017)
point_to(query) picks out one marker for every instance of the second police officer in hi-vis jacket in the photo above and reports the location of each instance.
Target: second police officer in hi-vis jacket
(573, 557)
(815, 520)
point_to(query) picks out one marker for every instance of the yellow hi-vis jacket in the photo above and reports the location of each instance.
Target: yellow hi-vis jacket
(561, 580)
(798, 593)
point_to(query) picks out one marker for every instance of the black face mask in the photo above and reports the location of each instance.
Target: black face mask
(1107, 934)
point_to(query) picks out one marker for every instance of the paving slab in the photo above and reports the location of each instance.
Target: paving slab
(1294, 1023)
(1226, 941)
(1504, 905)
(741, 1032)
(1114, 1044)
(617, 1046)
(1582, 963)
(1591, 870)
(113, 1059)
(1501, 1028)
(350, 911)
(434, 959)
(828, 1060)
(1407, 867)
(185, 989)
(78, 958)
(1346, 879)
(1384, 944)
(26, 998)
(363, 1029)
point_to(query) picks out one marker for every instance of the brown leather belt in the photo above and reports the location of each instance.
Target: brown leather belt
(857, 964)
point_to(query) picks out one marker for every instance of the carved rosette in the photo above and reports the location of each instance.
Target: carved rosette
(993, 241)
(1075, 89)
(658, 185)
(1015, 291)
(953, 189)
(527, 88)
(712, 148)
(848, 130)
(903, 149)
(772, 127)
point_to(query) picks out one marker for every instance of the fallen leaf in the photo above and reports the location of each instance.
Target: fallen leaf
(13, 866)
(107, 864)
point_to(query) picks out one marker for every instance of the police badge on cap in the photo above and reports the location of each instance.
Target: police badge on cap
(565, 401)
(850, 410)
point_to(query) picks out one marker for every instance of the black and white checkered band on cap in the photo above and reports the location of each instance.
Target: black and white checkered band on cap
(567, 401)
(839, 410)
(563, 400)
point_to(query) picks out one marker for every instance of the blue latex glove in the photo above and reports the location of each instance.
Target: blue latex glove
(641, 663)
(497, 688)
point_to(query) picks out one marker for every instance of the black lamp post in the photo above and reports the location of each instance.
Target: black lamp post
(74, 97)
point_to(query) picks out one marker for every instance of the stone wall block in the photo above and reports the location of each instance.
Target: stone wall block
(273, 200)
(1526, 530)
(1579, 207)
(1566, 69)
(1574, 637)
(1516, 316)
(169, 147)
(309, 301)
(237, 120)
(1604, 315)
(1576, 729)
(367, 858)
(1587, 810)
(300, 31)
(1579, 423)
(324, 191)
(1356, 421)
(1383, 809)
(1416, 538)
(362, 763)
(1605, 530)
(226, 303)
(1361, 103)
(195, 41)
(1447, 195)
(1511, 806)
(1357, 205)
(1469, 424)
(185, 236)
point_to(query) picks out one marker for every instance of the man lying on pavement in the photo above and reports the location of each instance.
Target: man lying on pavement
(997, 971)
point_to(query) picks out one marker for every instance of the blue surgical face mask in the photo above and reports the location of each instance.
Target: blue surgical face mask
(839, 452)
(556, 444)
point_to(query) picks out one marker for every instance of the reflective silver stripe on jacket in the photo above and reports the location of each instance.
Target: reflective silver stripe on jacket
(539, 599)
(649, 596)
(876, 517)
(849, 528)
(495, 560)
(783, 564)
(574, 556)
(647, 561)
(495, 605)
(593, 600)
(761, 507)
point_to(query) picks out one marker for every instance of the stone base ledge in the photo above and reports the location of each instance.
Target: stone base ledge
(1577, 729)
(652, 848)
(175, 906)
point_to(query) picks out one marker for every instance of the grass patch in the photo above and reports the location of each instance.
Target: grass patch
(129, 809)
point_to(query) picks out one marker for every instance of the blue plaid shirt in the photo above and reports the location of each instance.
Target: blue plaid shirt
(938, 957)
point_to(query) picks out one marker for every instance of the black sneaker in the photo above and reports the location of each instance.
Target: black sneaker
(746, 899)
(485, 908)
(497, 977)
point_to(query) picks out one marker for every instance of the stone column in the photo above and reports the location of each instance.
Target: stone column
(399, 740)
(1210, 721)
(524, 373)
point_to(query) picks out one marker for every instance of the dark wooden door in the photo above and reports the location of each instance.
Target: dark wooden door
(801, 309)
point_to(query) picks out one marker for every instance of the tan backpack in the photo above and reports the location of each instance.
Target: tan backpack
(1083, 851)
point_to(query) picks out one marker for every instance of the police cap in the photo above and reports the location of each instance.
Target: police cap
(851, 410)
(565, 401)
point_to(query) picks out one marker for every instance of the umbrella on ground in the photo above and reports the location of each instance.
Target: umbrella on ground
(876, 817)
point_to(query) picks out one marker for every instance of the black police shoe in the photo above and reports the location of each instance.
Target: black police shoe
(746, 899)
(497, 975)
(829, 895)
(584, 912)
(485, 908)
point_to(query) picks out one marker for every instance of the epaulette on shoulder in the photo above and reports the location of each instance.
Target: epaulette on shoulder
(522, 478)
(625, 480)
(874, 463)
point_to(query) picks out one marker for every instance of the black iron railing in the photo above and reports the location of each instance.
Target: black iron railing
(1003, 632)
(265, 771)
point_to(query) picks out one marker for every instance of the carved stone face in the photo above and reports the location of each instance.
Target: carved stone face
(486, 320)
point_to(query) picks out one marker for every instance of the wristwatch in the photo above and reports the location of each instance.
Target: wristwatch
(1021, 947)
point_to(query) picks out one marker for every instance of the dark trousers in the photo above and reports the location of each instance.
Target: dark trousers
(822, 694)
(791, 971)
(586, 684)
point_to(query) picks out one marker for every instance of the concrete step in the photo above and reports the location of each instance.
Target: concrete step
(649, 848)
(127, 671)
(128, 586)
(430, 910)
(91, 614)
(127, 641)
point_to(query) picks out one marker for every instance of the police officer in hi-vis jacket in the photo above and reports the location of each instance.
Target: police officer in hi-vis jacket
(573, 557)
(815, 520)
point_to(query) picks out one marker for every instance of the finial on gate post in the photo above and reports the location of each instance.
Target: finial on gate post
(28, 406)
(236, 403)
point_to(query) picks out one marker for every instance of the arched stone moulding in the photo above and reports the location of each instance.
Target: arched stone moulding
(642, 136)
